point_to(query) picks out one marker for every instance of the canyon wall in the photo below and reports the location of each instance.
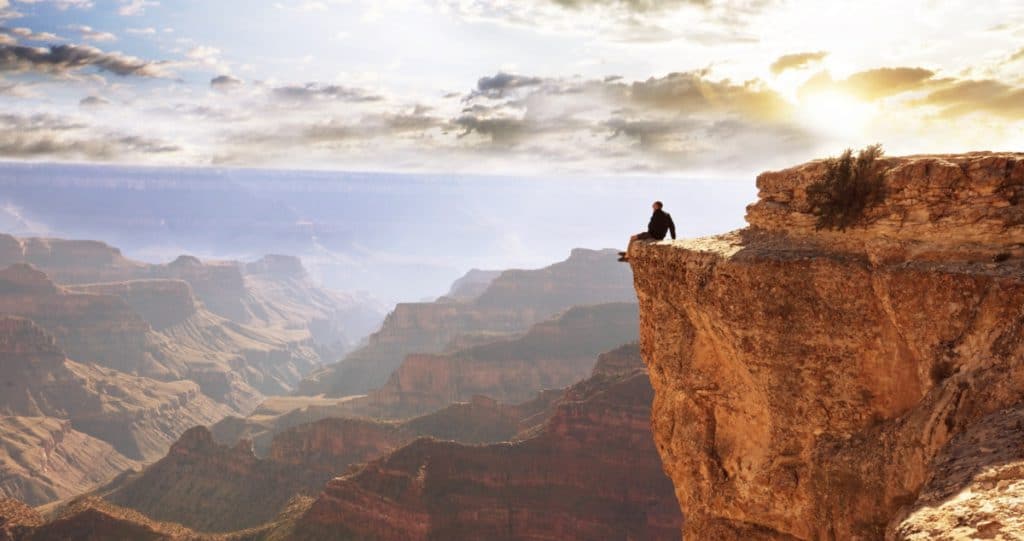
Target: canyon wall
(818, 384)
(551, 355)
(589, 472)
(509, 304)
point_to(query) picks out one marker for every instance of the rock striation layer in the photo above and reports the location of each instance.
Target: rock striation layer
(509, 304)
(551, 355)
(822, 385)
(589, 472)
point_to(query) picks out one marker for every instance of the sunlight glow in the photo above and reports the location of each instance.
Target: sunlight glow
(835, 114)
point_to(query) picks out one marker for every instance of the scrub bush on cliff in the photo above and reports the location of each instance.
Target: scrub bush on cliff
(850, 185)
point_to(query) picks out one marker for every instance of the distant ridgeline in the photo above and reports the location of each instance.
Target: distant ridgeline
(400, 237)
(107, 361)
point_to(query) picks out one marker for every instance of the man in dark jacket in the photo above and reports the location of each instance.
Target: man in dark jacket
(660, 224)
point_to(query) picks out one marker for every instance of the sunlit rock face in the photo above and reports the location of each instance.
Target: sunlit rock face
(68, 426)
(589, 472)
(808, 384)
(509, 304)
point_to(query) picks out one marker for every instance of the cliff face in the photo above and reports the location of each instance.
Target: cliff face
(809, 383)
(590, 472)
(90, 328)
(44, 459)
(274, 292)
(210, 487)
(550, 355)
(140, 417)
(510, 303)
(162, 303)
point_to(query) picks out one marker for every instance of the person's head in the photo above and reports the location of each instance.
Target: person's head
(657, 205)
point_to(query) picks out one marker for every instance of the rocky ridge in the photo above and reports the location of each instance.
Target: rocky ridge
(509, 304)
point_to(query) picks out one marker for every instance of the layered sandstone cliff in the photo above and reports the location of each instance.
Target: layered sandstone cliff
(510, 303)
(817, 384)
(210, 487)
(139, 416)
(589, 472)
(274, 292)
(551, 355)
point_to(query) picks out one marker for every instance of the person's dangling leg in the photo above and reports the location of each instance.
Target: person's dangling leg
(639, 236)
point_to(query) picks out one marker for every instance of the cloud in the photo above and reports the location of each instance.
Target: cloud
(633, 5)
(695, 92)
(1019, 55)
(63, 59)
(622, 21)
(135, 7)
(496, 85)
(93, 102)
(26, 34)
(978, 96)
(62, 5)
(872, 84)
(44, 135)
(90, 34)
(148, 31)
(225, 82)
(203, 53)
(796, 61)
(316, 91)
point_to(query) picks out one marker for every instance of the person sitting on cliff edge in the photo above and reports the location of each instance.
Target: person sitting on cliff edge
(660, 224)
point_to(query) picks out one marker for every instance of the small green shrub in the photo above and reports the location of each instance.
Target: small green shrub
(851, 185)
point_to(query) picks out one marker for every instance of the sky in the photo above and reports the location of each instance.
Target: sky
(706, 88)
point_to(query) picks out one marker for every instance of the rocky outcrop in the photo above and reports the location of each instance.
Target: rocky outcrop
(162, 303)
(15, 516)
(210, 487)
(274, 292)
(332, 445)
(814, 384)
(43, 459)
(550, 355)
(590, 472)
(976, 485)
(471, 285)
(156, 328)
(101, 329)
(511, 303)
(140, 417)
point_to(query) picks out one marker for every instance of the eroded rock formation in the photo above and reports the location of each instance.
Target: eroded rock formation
(809, 383)
(589, 472)
(139, 416)
(210, 487)
(551, 355)
(510, 304)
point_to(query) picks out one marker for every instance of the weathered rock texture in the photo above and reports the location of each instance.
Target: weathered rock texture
(589, 472)
(274, 292)
(551, 355)
(14, 516)
(68, 426)
(210, 487)
(511, 303)
(809, 383)
(43, 459)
